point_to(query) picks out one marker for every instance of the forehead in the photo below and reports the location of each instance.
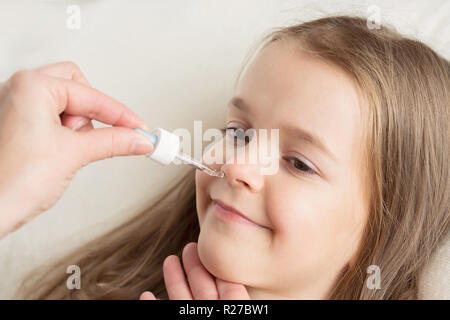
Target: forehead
(286, 86)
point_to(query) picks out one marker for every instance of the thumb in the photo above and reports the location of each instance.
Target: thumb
(102, 143)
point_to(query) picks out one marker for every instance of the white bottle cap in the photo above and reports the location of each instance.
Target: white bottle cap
(166, 147)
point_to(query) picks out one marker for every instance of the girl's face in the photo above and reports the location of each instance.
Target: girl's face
(311, 213)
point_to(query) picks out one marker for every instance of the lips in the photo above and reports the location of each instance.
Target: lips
(222, 206)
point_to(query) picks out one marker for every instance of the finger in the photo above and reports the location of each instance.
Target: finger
(200, 280)
(76, 123)
(147, 295)
(77, 99)
(108, 142)
(174, 279)
(231, 291)
(64, 70)
(69, 71)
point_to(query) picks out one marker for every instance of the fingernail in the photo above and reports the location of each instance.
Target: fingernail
(141, 146)
(78, 125)
(145, 127)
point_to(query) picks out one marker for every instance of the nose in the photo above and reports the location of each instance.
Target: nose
(243, 176)
(239, 167)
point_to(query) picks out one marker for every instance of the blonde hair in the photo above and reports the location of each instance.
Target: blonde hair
(404, 85)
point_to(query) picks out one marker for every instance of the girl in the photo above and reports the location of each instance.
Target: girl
(363, 182)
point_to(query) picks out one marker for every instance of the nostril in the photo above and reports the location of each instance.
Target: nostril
(242, 181)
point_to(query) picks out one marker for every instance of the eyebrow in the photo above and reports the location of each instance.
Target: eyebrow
(298, 132)
(239, 103)
(311, 139)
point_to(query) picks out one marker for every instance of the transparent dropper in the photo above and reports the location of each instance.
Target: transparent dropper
(200, 166)
(166, 149)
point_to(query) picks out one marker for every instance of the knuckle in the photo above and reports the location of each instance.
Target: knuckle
(21, 80)
(71, 65)
(112, 149)
(229, 291)
(207, 294)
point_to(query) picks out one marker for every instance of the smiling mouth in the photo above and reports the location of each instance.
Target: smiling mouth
(228, 213)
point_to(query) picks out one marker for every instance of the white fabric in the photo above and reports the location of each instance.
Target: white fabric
(434, 282)
(180, 57)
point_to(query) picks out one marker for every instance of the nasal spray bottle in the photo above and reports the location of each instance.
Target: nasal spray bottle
(166, 147)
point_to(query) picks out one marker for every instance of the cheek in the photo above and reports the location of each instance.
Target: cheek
(315, 229)
(202, 182)
(213, 157)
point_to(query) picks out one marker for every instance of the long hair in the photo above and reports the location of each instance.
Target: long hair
(404, 88)
(127, 260)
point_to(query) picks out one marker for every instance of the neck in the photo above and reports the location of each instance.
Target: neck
(318, 290)
(264, 294)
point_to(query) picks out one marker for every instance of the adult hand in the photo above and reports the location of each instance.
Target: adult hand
(201, 285)
(46, 136)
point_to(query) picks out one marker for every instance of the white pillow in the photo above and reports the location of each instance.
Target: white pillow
(434, 281)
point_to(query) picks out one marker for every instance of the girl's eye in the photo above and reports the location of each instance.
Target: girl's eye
(296, 164)
(299, 165)
(235, 134)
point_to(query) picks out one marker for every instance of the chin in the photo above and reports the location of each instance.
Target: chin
(221, 259)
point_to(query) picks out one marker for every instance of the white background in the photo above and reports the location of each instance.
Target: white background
(172, 62)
